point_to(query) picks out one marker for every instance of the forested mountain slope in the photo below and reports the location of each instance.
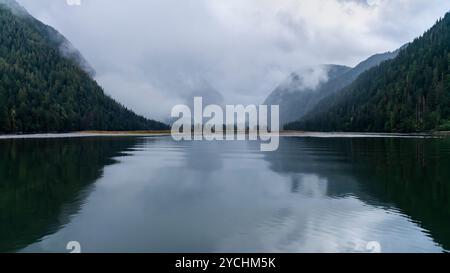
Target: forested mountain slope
(295, 98)
(295, 101)
(46, 85)
(407, 94)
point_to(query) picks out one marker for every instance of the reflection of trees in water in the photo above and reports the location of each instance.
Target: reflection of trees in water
(44, 181)
(304, 158)
(409, 174)
(414, 176)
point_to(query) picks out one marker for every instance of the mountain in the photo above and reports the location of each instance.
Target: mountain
(296, 100)
(410, 93)
(202, 88)
(47, 86)
(296, 97)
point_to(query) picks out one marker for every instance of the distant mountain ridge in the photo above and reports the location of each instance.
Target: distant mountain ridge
(410, 93)
(46, 85)
(296, 102)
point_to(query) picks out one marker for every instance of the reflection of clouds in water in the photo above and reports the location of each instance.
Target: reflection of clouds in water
(202, 156)
(310, 185)
(332, 225)
(158, 199)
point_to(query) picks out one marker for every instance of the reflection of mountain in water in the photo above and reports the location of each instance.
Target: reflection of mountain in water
(407, 174)
(44, 181)
(299, 158)
(412, 175)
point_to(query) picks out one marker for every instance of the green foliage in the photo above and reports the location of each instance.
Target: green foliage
(407, 94)
(445, 126)
(43, 91)
(41, 181)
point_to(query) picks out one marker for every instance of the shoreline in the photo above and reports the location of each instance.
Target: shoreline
(86, 134)
(282, 134)
(364, 134)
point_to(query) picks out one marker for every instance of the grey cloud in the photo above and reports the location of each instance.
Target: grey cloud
(152, 54)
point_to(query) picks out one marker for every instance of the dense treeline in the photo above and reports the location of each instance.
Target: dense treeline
(43, 91)
(410, 93)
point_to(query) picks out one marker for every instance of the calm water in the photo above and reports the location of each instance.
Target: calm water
(154, 195)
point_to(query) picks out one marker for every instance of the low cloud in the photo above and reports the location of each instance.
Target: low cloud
(150, 54)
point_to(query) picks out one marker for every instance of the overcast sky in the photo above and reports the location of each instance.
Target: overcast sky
(149, 54)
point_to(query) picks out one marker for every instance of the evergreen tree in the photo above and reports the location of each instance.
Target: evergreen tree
(407, 94)
(43, 90)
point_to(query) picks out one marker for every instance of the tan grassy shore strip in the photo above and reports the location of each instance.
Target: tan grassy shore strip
(282, 134)
(291, 133)
(125, 132)
(86, 134)
(362, 135)
(443, 133)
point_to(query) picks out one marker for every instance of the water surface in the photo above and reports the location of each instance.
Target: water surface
(151, 194)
